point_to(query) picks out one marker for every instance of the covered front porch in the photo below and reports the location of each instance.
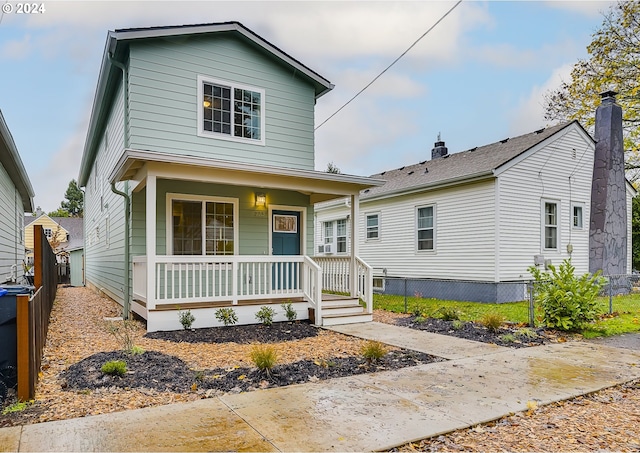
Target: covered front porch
(222, 234)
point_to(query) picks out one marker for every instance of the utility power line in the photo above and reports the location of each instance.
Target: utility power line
(394, 62)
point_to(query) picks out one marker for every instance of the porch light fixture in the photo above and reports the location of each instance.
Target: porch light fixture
(261, 199)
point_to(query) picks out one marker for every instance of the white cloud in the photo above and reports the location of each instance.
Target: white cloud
(590, 8)
(507, 55)
(52, 181)
(529, 112)
(16, 49)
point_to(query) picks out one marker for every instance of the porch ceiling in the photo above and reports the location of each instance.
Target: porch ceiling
(321, 186)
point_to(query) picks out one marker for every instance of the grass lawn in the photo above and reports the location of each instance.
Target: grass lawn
(626, 311)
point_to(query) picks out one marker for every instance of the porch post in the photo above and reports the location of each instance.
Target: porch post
(355, 213)
(150, 230)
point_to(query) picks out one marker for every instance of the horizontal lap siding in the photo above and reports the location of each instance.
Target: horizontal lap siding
(465, 232)
(464, 235)
(105, 262)
(11, 245)
(253, 223)
(163, 100)
(545, 175)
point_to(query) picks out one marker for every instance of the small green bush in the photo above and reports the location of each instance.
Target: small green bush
(265, 315)
(289, 312)
(457, 324)
(264, 357)
(447, 313)
(136, 350)
(18, 406)
(568, 302)
(492, 321)
(186, 318)
(508, 338)
(227, 316)
(114, 368)
(526, 333)
(373, 350)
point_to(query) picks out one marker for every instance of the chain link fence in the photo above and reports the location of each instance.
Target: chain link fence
(498, 292)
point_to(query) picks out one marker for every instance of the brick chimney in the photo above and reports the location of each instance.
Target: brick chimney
(439, 150)
(608, 223)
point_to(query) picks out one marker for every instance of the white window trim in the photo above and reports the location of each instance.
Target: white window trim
(366, 226)
(185, 197)
(303, 224)
(415, 229)
(575, 204)
(543, 224)
(230, 137)
(334, 237)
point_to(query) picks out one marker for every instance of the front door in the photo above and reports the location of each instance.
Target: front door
(285, 240)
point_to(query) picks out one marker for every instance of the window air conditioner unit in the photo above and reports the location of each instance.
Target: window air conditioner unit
(321, 248)
(328, 248)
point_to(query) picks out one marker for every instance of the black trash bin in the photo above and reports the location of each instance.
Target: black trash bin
(9, 349)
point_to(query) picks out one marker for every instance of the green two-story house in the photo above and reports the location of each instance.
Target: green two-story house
(199, 180)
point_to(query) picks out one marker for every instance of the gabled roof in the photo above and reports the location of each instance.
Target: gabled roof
(475, 163)
(117, 47)
(74, 226)
(10, 160)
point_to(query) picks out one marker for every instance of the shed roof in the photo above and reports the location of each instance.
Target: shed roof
(10, 160)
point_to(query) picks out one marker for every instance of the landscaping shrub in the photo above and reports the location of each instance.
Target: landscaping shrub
(568, 302)
(124, 332)
(492, 321)
(186, 318)
(265, 315)
(264, 357)
(114, 368)
(447, 313)
(457, 325)
(373, 351)
(227, 316)
(289, 312)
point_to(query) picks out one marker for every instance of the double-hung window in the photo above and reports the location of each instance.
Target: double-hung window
(576, 212)
(426, 228)
(335, 235)
(203, 227)
(341, 236)
(230, 111)
(550, 225)
(373, 226)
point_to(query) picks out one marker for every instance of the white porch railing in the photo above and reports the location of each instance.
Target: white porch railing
(181, 279)
(336, 277)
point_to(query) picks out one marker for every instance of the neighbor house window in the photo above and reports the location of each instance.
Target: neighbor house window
(550, 225)
(230, 111)
(577, 216)
(335, 233)
(373, 226)
(328, 232)
(203, 227)
(426, 236)
(48, 232)
(341, 235)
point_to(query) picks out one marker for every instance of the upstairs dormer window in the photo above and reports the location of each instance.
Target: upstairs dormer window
(230, 111)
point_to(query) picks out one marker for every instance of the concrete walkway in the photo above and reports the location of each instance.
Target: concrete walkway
(358, 413)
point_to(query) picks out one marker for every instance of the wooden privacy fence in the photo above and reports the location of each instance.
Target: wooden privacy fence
(32, 316)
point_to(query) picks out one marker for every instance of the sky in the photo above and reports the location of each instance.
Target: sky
(478, 77)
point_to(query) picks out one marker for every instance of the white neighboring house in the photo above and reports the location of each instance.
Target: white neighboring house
(16, 197)
(471, 223)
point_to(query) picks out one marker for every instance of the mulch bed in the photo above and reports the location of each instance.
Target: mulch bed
(164, 372)
(275, 333)
(508, 336)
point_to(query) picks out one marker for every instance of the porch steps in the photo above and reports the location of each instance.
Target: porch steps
(343, 311)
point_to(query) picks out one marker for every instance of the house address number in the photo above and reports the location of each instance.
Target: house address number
(259, 214)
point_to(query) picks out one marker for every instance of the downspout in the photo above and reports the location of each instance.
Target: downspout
(126, 306)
